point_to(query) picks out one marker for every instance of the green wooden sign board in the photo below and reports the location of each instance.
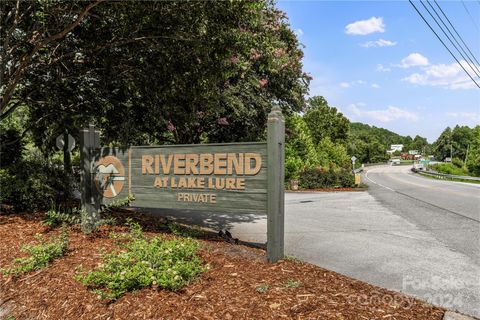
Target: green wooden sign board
(228, 177)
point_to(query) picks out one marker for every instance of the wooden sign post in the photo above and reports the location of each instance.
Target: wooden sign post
(237, 178)
(89, 142)
(276, 178)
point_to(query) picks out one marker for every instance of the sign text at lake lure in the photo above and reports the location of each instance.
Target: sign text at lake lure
(233, 178)
(213, 177)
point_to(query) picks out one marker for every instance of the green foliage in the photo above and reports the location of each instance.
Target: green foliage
(450, 168)
(118, 203)
(325, 121)
(142, 262)
(39, 256)
(444, 145)
(369, 143)
(89, 222)
(292, 284)
(264, 287)
(473, 160)
(457, 163)
(332, 155)
(55, 217)
(300, 150)
(318, 178)
(11, 147)
(34, 184)
(204, 71)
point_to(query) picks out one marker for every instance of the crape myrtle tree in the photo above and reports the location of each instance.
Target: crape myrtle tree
(149, 72)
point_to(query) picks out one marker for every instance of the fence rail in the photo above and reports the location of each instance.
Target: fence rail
(446, 176)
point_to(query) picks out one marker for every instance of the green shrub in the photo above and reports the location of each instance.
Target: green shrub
(34, 184)
(318, 178)
(39, 256)
(54, 218)
(457, 163)
(293, 166)
(449, 168)
(142, 262)
(11, 147)
(345, 178)
(118, 203)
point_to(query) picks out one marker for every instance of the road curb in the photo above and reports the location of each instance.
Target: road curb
(450, 315)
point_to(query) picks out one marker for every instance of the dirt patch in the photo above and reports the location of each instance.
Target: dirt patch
(240, 284)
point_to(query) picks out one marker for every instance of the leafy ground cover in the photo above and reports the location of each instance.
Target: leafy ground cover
(239, 283)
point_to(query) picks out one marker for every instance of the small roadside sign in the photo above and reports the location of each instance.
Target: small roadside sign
(61, 143)
(353, 159)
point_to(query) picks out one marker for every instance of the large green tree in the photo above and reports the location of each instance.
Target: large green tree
(325, 121)
(473, 156)
(156, 72)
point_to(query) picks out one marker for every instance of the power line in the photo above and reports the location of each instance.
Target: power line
(428, 24)
(454, 29)
(477, 72)
(469, 14)
(461, 39)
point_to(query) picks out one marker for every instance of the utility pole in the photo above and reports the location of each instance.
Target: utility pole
(466, 155)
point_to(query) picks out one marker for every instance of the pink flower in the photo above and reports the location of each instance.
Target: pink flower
(263, 82)
(278, 52)
(234, 59)
(171, 127)
(254, 54)
(222, 121)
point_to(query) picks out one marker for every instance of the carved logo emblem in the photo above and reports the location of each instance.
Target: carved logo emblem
(109, 176)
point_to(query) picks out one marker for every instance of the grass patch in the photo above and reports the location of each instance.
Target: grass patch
(264, 287)
(142, 262)
(292, 283)
(293, 259)
(39, 256)
(426, 175)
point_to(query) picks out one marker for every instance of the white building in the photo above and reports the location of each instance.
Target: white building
(395, 147)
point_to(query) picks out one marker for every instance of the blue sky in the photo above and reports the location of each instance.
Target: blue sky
(378, 63)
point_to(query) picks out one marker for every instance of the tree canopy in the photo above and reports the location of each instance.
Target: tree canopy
(159, 72)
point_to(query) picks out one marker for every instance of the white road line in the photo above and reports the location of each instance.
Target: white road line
(378, 184)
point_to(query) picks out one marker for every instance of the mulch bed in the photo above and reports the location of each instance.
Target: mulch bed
(227, 291)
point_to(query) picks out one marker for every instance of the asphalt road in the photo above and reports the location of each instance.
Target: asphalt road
(449, 212)
(407, 233)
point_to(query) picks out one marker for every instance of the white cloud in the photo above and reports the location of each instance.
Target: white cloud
(389, 114)
(412, 60)
(358, 83)
(378, 43)
(449, 76)
(381, 68)
(473, 116)
(364, 27)
(299, 32)
(352, 83)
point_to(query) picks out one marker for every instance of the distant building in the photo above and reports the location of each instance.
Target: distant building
(395, 147)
